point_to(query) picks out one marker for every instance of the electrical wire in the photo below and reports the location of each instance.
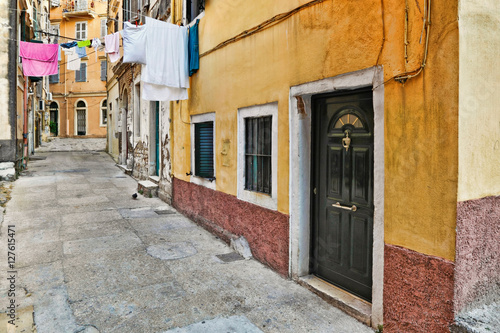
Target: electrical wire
(266, 24)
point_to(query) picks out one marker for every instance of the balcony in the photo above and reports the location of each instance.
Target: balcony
(79, 8)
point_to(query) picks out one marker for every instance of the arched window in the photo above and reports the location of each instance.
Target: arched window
(81, 118)
(104, 112)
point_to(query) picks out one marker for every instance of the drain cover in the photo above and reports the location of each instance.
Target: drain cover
(164, 212)
(37, 158)
(230, 257)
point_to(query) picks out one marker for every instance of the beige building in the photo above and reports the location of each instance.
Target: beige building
(79, 106)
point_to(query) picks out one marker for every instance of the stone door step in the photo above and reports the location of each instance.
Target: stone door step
(125, 169)
(147, 188)
(154, 179)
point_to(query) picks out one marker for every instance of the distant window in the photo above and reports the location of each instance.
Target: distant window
(54, 78)
(104, 113)
(104, 27)
(81, 30)
(104, 70)
(126, 10)
(194, 8)
(81, 75)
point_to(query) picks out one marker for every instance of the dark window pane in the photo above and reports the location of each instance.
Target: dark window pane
(258, 154)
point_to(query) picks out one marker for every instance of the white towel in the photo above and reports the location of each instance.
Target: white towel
(134, 43)
(113, 46)
(165, 76)
(73, 61)
(96, 43)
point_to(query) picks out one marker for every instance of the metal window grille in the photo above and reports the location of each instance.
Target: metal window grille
(258, 147)
(204, 149)
(81, 118)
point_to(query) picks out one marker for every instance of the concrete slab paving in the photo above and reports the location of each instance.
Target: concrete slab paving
(89, 258)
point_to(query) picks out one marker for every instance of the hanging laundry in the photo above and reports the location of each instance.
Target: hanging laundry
(38, 59)
(112, 46)
(59, 53)
(134, 43)
(83, 43)
(73, 61)
(165, 76)
(96, 43)
(193, 49)
(69, 45)
(81, 51)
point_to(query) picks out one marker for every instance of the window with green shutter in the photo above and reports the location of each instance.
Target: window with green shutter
(204, 149)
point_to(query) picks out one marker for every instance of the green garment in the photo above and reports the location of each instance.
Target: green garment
(83, 43)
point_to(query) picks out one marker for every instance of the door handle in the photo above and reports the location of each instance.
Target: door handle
(338, 205)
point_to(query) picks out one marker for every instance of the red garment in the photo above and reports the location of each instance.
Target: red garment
(39, 59)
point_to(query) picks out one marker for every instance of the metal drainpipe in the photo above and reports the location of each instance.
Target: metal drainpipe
(25, 124)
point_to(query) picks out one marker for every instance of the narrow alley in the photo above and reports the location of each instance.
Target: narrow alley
(90, 258)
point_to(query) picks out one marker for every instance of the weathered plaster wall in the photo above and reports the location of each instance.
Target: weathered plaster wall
(5, 125)
(8, 80)
(113, 115)
(478, 247)
(479, 123)
(418, 292)
(265, 230)
(325, 40)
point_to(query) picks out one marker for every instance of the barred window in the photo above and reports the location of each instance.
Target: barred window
(258, 149)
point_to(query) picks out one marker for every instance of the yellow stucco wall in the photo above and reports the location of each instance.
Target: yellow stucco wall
(93, 91)
(325, 40)
(479, 123)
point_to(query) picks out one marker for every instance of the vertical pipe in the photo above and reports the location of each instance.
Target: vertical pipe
(25, 124)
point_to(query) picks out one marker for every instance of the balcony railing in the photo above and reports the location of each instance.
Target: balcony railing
(79, 6)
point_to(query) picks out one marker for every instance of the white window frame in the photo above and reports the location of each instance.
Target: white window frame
(82, 31)
(257, 198)
(195, 119)
(100, 114)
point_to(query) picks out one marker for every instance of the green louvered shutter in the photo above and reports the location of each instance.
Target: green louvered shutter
(204, 149)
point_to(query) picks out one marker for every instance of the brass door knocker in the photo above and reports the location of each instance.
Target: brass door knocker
(346, 142)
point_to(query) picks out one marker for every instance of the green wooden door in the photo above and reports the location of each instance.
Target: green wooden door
(342, 216)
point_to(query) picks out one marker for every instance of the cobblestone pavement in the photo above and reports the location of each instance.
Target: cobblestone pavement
(72, 144)
(89, 258)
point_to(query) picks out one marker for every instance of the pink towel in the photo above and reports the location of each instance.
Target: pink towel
(112, 46)
(39, 59)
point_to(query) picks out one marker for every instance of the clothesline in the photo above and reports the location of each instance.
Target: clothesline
(169, 52)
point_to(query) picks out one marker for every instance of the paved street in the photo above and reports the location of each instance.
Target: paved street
(89, 258)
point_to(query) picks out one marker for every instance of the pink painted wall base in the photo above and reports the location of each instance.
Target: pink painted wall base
(418, 292)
